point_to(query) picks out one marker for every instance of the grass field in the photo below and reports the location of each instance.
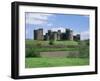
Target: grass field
(39, 46)
(54, 62)
(33, 59)
(44, 43)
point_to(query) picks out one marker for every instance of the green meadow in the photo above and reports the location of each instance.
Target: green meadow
(46, 43)
(54, 62)
(33, 59)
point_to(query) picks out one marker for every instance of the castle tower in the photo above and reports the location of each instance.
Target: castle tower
(54, 36)
(49, 34)
(46, 36)
(59, 35)
(77, 37)
(35, 34)
(38, 34)
(69, 34)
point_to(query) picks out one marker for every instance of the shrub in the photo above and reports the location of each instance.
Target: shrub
(84, 51)
(87, 42)
(38, 43)
(31, 53)
(51, 42)
(84, 42)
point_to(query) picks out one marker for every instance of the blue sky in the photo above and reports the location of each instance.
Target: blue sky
(78, 23)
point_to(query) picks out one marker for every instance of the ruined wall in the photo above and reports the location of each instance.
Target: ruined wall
(60, 54)
(67, 35)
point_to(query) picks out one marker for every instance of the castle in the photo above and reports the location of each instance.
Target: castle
(52, 35)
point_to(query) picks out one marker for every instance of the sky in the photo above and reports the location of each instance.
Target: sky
(52, 21)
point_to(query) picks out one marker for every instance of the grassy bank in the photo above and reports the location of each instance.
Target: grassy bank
(40, 46)
(45, 43)
(54, 62)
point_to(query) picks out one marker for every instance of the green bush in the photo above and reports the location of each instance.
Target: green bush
(31, 53)
(39, 43)
(84, 49)
(51, 42)
(84, 52)
(84, 42)
(87, 42)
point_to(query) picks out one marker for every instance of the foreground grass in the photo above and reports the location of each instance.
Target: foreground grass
(53, 62)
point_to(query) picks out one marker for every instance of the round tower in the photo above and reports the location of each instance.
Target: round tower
(69, 34)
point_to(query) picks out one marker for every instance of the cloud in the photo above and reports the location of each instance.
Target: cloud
(37, 18)
(84, 35)
(75, 33)
(45, 31)
(49, 24)
(58, 28)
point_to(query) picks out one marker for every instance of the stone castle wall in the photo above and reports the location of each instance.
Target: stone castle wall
(50, 35)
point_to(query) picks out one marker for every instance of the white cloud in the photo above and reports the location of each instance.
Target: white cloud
(37, 18)
(49, 24)
(45, 31)
(84, 35)
(75, 33)
(58, 28)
